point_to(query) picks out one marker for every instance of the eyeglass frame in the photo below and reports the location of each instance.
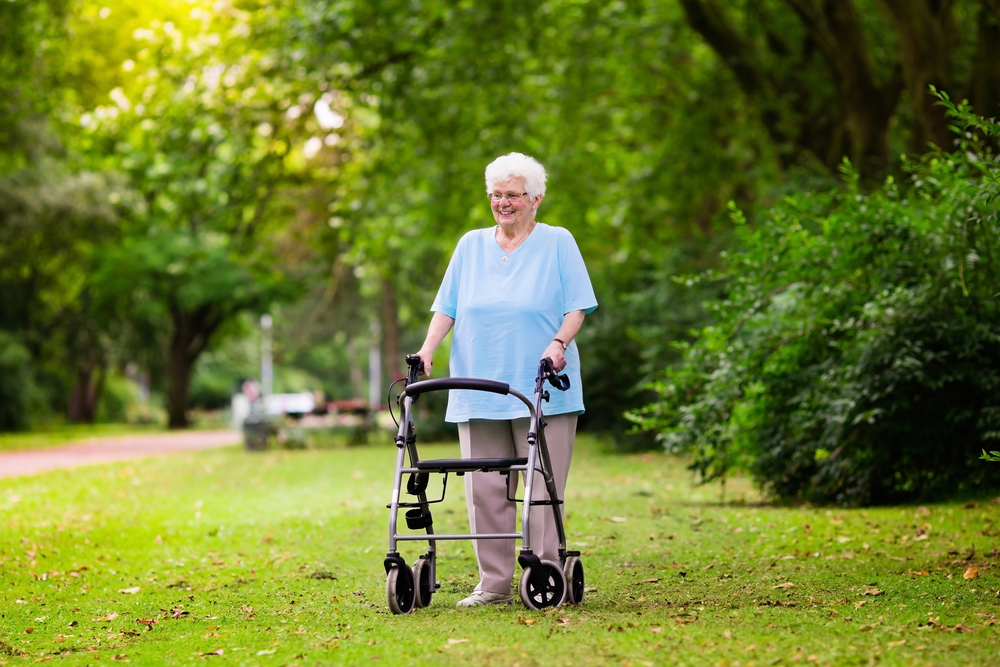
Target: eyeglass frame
(511, 196)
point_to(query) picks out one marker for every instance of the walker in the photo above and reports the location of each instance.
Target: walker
(543, 583)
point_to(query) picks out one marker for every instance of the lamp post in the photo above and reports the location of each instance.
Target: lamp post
(374, 368)
(266, 363)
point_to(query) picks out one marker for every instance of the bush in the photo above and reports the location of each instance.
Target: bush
(19, 395)
(856, 358)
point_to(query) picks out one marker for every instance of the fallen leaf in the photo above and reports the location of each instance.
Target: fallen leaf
(617, 519)
(656, 630)
(525, 621)
(784, 586)
(860, 604)
(971, 573)
(120, 656)
(901, 642)
(873, 592)
(452, 641)
(217, 651)
(922, 573)
(104, 619)
(268, 651)
(28, 631)
(129, 591)
(654, 580)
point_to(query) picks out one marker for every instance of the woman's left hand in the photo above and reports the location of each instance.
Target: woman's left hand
(555, 352)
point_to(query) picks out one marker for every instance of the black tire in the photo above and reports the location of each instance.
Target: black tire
(573, 570)
(552, 594)
(423, 584)
(399, 590)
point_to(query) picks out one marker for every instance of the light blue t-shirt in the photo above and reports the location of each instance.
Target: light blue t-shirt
(506, 313)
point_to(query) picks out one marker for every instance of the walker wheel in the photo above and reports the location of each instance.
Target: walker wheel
(552, 594)
(573, 569)
(423, 584)
(399, 591)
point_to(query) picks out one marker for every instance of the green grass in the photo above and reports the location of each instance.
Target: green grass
(63, 434)
(276, 559)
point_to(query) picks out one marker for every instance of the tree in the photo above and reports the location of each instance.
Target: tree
(829, 78)
(620, 102)
(206, 132)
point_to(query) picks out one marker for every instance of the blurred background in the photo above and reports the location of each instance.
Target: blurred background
(173, 170)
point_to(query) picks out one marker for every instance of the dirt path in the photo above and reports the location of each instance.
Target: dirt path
(104, 450)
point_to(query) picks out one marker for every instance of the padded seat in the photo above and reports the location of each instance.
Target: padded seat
(470, 465)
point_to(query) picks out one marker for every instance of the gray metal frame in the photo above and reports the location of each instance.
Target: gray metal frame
(537, 449)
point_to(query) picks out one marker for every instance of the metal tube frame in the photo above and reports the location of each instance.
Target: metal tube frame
(537, 448)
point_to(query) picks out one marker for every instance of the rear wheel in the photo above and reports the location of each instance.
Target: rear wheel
(399, 590)
(552, 593)
(423, 583)
(573, 570)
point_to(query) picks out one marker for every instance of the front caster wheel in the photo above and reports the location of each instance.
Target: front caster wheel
(551, 594)
(423, 583)
(573, 569)
(399, 590)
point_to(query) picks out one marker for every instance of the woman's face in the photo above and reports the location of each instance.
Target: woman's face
(516, 213)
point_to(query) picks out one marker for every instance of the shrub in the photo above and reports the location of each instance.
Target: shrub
(19, 395)
(856, 355)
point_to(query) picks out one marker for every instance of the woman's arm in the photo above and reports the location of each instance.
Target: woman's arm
(572, 321)
(439, 327)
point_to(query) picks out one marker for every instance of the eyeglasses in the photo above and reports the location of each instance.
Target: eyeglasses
(511, 196)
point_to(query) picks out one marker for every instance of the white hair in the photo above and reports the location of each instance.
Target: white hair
(517, 165)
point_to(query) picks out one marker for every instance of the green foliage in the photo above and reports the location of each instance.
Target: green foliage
(634, 334)
(18, 390)
(856, 357)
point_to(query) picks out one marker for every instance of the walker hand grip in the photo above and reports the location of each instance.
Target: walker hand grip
(440, 384)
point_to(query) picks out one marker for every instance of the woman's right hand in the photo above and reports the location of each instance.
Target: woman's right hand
(427, 358)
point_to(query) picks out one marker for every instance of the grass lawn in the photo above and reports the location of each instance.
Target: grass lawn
(63, 434)
(276, 559)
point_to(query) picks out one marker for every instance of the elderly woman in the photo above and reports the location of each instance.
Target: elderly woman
(515, 293)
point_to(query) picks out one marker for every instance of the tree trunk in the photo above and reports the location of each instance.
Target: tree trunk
(86, 392)
(390, 332)
(192, 331)
(853, 123)
(984, 87)
(179, 375)
(928, 38)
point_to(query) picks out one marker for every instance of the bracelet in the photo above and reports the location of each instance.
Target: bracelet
(561, 342)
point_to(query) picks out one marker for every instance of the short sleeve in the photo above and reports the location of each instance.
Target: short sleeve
(446, 301)
(578, 292)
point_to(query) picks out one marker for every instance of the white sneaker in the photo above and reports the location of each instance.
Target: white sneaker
(480, 598)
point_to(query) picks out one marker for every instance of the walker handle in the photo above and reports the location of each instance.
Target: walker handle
(416, 367)
(415, 389)
(547, 372)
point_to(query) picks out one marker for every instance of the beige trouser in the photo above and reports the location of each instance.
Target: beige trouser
(486, 492)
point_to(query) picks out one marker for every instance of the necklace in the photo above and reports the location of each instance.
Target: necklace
(514, 243)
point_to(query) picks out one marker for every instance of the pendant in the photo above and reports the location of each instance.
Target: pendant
(505, 258)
